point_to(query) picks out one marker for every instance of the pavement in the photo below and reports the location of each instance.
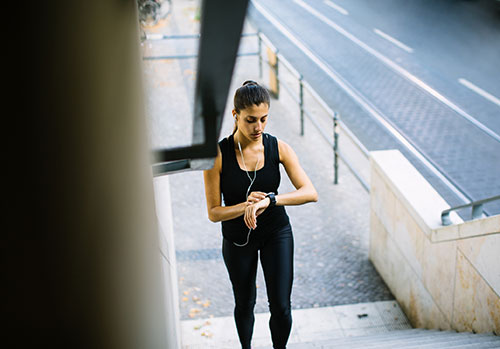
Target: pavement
(332, 268)
(310, 326)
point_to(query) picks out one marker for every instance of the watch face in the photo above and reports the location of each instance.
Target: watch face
(272, 199)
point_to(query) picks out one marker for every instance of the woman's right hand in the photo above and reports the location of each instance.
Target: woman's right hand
(253, 211)
(255, 197)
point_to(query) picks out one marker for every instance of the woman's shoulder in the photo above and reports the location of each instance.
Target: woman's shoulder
(272, 140)
(277, 141)
(224, 143)
(224, 140)
(284, 149)
(281, 148)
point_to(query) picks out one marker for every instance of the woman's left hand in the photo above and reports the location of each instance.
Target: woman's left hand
(255, 197)
(253, 211)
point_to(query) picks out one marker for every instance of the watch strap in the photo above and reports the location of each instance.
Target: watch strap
(272, 199)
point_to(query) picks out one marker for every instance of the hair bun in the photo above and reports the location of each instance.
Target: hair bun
(250, 82)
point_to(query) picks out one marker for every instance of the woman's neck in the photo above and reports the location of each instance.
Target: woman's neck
(245, 142)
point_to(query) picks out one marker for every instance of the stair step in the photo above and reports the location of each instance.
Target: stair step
(454, 341)
(414, 334)
(475, 343)
(411, 339)
(388, 335)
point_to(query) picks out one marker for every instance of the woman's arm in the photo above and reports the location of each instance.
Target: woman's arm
(304, 192)
(216, 212)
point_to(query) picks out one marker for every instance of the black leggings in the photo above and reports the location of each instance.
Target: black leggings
(276, 258)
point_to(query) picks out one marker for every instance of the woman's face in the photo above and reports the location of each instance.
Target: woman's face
(252, 121)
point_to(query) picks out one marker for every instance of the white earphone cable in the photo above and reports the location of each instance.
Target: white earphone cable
(252, 180)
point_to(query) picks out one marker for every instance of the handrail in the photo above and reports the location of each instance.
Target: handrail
(158, 37)
(334, 115)
(477, 206)
(477, 209)
(268, 42)
(298, 98)
(289, 66)
(355, 140)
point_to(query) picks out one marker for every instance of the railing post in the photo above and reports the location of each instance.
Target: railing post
(301, 104)
(335, 149)
(477, 211)
(260, 53)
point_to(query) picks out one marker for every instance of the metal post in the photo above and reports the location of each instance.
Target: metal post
(276, 72)
(260, 54)
(301, 104)
(477, 211)
(335, 149)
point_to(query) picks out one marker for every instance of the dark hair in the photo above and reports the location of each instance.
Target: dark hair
(249, 94)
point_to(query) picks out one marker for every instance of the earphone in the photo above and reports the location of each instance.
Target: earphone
(252, 180)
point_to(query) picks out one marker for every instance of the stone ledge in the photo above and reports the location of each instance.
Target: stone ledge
(443, 276)
(423, 202)
(468, 229)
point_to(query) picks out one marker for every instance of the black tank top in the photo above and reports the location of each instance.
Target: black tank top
(234, 183)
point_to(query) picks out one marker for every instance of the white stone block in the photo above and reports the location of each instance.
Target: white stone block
(476, 305)
(379, 240)
(445, 233)
(483, 253)
(382, 200)
(410, 188)
(438, 276)
(410, 238)
(487, 225)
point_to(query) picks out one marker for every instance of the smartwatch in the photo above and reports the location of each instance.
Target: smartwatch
(272, 199)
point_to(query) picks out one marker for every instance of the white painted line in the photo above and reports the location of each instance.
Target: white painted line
(480, 91)
(358, 97)
(393, 40)
(398, 69)
(336, 7)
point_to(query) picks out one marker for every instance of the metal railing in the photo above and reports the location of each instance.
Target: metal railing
(303, 86)
(477, 209)
(477, 206)
(299, 99)
(160, 37)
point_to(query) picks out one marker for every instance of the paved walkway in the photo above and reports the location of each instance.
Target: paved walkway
(309, 326)
(331, 236)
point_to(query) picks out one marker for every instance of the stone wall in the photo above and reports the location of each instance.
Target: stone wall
(444, 277)
(169, 264)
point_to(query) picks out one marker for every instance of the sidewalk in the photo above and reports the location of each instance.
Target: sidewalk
(332, 271)
(309, 325)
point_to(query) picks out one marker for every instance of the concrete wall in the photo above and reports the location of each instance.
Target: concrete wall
(169, 264)
(443, 277)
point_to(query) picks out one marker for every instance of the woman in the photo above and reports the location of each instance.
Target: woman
(246, 173)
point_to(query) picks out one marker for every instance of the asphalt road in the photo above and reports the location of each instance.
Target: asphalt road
(429, 69)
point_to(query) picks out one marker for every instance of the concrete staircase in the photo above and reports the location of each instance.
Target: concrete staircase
(414, 338)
